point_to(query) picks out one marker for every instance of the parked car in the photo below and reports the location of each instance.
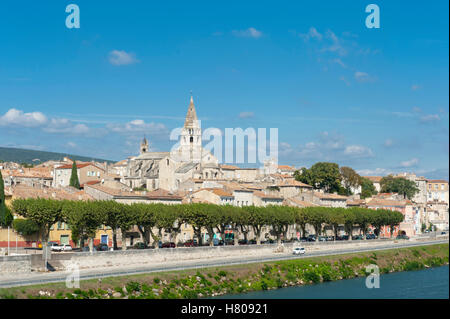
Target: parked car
(298, 251)
(304, 239)
(102, 247)
(322, 238)
(168, 245)
(191, 243)
(402, 237)
(86, 249)
(371, 236)
(311, 238)
(357, 237)
(443, 233)
(54, 246)
(140, 245)
(66, 247)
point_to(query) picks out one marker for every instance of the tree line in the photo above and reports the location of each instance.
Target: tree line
(84, 218)
(343, 180)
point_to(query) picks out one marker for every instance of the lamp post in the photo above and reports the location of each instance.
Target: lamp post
(8, 240)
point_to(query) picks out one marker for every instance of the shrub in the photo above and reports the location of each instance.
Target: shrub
(189, 294)
(311, 275)
(156, 280)
(222, 273)
(133, 286)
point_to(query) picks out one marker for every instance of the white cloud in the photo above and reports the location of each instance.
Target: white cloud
(117, 57)
(339, 61)
(246, 115)
(17, 118)
(312, 33)
(249, 33)
(329, 147)
(374, 172)
(335, 46)
(430, 118)
(358, 151)
(361, 76)
(410, 163)
(14, 117)
(138, 126)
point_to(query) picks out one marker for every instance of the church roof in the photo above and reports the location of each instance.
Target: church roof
(186, 168)
(152, 155)
(191, 116)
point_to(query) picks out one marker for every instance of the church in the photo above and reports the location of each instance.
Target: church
(171, 170)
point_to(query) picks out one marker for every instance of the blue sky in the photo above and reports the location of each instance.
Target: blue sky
(373, 99)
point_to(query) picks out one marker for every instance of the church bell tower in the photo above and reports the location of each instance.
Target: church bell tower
(144, 146)
(191, 136)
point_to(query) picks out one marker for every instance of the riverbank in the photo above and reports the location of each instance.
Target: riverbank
(218, 281)
(429, 283)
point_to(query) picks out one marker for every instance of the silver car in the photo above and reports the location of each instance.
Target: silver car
(298, 251)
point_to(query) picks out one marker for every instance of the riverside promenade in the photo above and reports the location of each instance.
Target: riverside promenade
(119, 263)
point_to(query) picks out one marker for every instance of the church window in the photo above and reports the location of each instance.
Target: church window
(206, 174)
(192, 139)
(167, 162)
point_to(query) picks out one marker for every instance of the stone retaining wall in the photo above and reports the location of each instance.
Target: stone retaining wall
(15, 264)
(123, 258)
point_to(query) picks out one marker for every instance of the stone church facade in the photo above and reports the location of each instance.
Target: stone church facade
(169, 170)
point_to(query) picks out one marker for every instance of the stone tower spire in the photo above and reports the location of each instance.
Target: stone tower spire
(191, 116)
(191, 136)
(144, 145)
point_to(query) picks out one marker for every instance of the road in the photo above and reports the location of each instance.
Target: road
(43, 278)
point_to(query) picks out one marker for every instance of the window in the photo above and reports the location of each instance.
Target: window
(59, 225)
(442, 186)
(192, 139)
(98, 174)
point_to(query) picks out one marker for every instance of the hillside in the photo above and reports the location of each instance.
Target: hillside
(18, 155)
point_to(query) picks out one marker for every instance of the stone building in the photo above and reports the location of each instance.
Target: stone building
(169, 170)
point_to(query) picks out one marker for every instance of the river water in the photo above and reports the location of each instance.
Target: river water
(431, 283)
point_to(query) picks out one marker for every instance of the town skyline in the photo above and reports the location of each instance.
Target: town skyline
(378, 115)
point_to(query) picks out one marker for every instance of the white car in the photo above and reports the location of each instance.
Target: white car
(54, 246)
(66, 247)
(298, 251)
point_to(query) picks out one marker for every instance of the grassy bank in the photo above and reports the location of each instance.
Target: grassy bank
(240, 278)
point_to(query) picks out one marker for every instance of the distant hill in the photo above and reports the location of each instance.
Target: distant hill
(18, 155)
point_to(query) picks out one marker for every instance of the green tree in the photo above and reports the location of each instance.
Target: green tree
(44, 212)
(25, 227)
(322, 175)
(84, 219)
(5, 214)
(144, 218)
(282, 217)
(316, 217)
(335, 217)
(350, 179)
(394, 219)
(74, 182)
(349, 222)
(258, 217)
(367, 188)
(400, 185)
